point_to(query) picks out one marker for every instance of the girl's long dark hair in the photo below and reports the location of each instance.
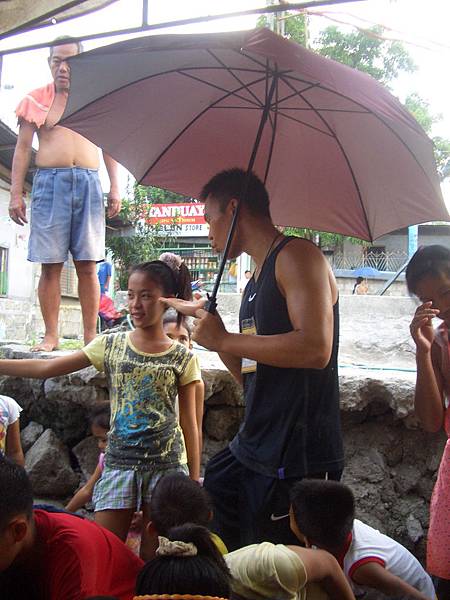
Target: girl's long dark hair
(206, 573)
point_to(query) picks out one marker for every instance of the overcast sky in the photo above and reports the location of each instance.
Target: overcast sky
(423, 26)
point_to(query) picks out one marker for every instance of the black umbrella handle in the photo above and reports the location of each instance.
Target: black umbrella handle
(210, 305)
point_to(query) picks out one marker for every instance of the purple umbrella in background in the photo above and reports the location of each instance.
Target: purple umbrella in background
(336, 150)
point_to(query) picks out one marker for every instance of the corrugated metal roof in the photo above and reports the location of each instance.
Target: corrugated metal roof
(8, 141)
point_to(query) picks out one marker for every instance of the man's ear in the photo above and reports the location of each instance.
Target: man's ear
(233, 204)
(18, 528)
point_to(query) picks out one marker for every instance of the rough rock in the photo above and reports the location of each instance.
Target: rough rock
(48, 466)
(222, 425)
(391, 463)
(86, 452)
(67, 403)
(30, 434)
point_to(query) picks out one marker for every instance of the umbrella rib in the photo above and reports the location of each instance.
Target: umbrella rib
(159, 74)
(307, 124)
(233, 74)
(334, 110)
(344, 154)
(274, 131)
(376, 116)
(289, 96)
(191, 122)
(221, 89)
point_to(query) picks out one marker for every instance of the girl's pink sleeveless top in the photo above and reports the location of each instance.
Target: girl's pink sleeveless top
(438, 542)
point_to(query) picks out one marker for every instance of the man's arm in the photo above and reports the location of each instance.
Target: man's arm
(304, 279)
(374, 575)
(20, 166)
(321, 567)
(114, 201)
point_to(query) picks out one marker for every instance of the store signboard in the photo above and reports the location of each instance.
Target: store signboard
(181, 219)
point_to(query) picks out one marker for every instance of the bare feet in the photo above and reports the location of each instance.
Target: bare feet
(48, 344)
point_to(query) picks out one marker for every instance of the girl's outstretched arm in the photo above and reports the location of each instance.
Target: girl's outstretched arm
(188, 423)
(44, 368)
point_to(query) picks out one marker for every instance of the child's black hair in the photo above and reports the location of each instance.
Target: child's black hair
(100, 415)
(323, 511)
(178, 320)
(205, 574)
(358, 281)
(176, 500)
(16, 495)
(172, 282)
(229, 184)
(427, 261)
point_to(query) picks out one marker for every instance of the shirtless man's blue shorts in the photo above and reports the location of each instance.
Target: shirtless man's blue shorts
(67, 214)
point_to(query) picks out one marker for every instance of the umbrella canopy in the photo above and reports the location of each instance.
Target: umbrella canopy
(337, 153)
(365, 272)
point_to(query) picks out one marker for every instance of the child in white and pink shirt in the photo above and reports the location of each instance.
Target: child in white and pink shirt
(10, 444)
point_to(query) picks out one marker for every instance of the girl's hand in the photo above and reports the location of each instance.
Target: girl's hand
(421, 327)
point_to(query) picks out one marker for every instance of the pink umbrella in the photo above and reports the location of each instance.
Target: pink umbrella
(335, 149)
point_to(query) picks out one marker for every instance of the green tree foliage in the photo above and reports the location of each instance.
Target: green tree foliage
(366, 51)
(139, 240)
(160, 196)
(421, 110)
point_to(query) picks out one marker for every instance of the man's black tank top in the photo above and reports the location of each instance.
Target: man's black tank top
(292, 423)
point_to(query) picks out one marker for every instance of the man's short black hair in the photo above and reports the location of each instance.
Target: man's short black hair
(62, 40)
(229, 184)
(324, 511)
(177, 500)
(16, 495)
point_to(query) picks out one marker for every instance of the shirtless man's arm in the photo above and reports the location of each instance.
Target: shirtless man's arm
(20, 166)
(114, 201)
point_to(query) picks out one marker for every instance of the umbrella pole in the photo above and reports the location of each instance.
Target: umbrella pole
(211, 304)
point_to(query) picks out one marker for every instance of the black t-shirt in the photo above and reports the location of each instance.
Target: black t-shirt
(292, 422)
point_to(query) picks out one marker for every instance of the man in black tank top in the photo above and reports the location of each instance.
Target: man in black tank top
(285, 356)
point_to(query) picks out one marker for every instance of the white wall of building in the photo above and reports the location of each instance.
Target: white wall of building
(21, 273)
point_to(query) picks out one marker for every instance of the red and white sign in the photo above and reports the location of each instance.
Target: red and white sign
(183, 220)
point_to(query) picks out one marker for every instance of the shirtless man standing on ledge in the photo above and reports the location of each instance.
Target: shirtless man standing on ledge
(67, 209)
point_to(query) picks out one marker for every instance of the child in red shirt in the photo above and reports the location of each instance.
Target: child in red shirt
(56, 555)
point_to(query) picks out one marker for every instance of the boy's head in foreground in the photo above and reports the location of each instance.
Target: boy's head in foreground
(16, 512)
(177, 500)
(322, 513)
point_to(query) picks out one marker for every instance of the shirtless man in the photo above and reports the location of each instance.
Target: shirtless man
(285, 356)
(67, 204)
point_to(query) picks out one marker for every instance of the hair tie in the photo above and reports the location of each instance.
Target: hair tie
(172, 260)
(174, 548)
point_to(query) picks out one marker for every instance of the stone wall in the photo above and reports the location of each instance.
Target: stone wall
(390, 463)
(21, 320)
